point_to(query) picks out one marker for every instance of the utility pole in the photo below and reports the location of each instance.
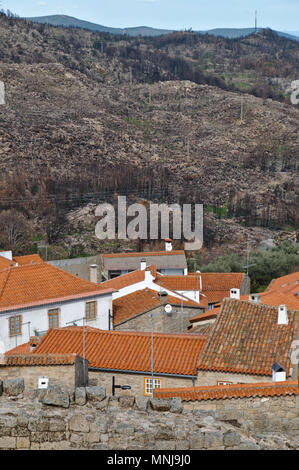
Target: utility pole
(255, 20)
(242, 108)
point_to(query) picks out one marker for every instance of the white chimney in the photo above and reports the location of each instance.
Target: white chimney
(93, 273)
(282, 315)
(278, 373)
(235, 294)
(168, 244)
(142, 264)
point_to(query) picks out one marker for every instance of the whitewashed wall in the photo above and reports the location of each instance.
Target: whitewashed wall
(38, 318)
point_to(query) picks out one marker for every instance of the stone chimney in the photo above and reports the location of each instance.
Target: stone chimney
(168, 244)
(93, 273)
(163, 296)
(282, 315)
(235, 294)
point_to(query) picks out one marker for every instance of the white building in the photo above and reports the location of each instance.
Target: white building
(35, 296)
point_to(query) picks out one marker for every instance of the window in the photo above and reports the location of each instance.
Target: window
(224, 383)
(53, 318)
(148, 385)
(15, 325)
(91, 310)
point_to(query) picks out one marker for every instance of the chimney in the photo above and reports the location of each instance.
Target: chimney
(282, 315)
(235, 294)
(33, 342)
(93, 273)
(142, 264)
(163, 296)
(256, 298)
(168, 244)
(278, 373)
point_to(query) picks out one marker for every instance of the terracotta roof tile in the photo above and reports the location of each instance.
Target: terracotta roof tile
(217, 286)
(221, 392)
(210, 314)
(143, 254)
(124, 280)
(246, 338)
(118, 350)
(28, 259)
(141, 301)
(37, 284)
(179, 282)
(39, 360)
(22, 349)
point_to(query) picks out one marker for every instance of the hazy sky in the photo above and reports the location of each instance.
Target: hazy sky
(170, 14)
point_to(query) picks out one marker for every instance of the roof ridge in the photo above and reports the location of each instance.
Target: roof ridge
(5, 281)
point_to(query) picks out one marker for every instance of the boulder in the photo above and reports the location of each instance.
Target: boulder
(176, 405)
(56, 396)
(160, 404)
(95, 394)
(80, 396)
(13, 387)
(141, 403)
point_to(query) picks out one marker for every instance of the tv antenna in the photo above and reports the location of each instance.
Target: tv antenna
(247, 265)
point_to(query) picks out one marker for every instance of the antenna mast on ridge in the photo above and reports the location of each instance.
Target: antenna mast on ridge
(255, 21)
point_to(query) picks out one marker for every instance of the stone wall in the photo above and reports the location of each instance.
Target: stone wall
(212, 378)
(91, 420)
(71, 375)
(174, 323)
(136, 381)
(258, 414)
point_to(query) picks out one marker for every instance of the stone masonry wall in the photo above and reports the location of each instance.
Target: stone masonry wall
(175, 323)
(58, 375)
(139, 423)
(136, 381)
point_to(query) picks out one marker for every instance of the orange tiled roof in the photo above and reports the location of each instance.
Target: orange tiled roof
(144, 253)
(285, 283)
(217, 286)
(246, 338)
(141, 301)
(5, 263)
(120, 350)
(276, 298)
(42, 283)
(222, 392)
(125, 280)
(210, 314)
(22, 349)
(39, 360)
(186, 283)
(28, 259)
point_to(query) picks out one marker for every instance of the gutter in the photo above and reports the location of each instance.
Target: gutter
(96, 369)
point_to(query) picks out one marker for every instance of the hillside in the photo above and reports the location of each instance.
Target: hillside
(73, 127)
(69, 21)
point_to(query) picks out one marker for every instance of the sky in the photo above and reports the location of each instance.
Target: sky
(168, 14)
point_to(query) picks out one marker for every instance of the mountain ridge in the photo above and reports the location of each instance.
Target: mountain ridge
(69, 21)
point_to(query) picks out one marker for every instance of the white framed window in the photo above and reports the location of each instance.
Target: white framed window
(148, 385)
(224, 383)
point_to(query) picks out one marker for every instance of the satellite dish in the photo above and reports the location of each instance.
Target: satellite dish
(168, 308)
